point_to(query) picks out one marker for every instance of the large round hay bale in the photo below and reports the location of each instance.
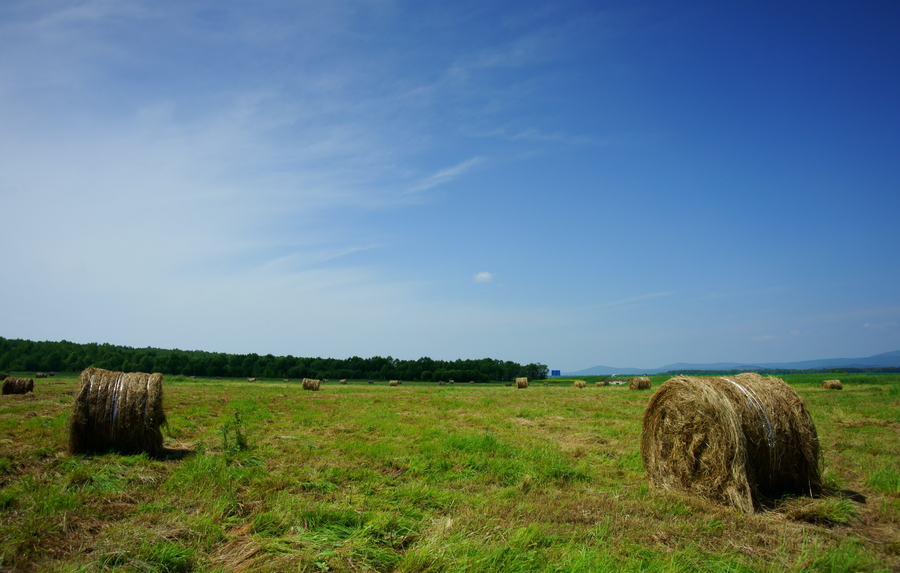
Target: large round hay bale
(639, 383)
(117, 411)
(521, 382)
(311, 384)
(13, 385)
(735, 440)
(601, 383)
(394, 383)
(580, 384)
(832, 385)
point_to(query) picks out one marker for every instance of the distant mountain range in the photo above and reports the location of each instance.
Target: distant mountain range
(888, 359)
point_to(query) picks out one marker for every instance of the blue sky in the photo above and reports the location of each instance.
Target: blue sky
(582, 183)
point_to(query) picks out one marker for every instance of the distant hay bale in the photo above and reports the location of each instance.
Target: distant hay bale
(471, 381)
(311, 384)
(285, 379)
(639, 383)
(117, 411)
(13, 385)
(441, 383)
(371, 381)
(40, 374)
(521, 383)
(601, 383)
(252, 379)
(736, 440)
(832, 385)
(394, 383)
(343, 380)
(3, 375)
(580, 384)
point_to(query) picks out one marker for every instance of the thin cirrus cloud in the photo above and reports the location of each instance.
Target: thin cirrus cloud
(445, 175)
(483, 277)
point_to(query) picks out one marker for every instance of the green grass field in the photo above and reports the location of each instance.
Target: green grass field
(471, 477)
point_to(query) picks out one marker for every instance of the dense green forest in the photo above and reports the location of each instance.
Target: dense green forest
(28, 356)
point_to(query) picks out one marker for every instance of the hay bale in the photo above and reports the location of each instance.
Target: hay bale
(580, 384)
(521, 383)
(252, 379)
(394, 383)
(371, 382)
(343, 380)
(3, 376)
(736, 440)
(601, 383)
(40, 374)
(441, 383)
(471, 381)
(117, 411)
(13, 385)
(639, 383)
(311, 384)
(832, 385)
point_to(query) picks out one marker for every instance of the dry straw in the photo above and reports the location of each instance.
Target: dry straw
(737, 440)
(639, 383)
(832, 385)
(580, 384)
(394, 383)
(310, 384)
(117, 411)
(521, 382)
(343, 380)
(601, 383)
(12, 385)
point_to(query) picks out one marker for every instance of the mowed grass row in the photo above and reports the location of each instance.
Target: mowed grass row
(268, 477)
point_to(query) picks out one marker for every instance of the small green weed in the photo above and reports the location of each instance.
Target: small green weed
(234, 438)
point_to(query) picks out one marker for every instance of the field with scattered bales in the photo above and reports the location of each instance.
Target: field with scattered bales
(267, 476)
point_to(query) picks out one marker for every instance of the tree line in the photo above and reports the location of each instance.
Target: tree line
(28, 356)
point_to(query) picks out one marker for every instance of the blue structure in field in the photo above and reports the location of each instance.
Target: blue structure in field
(554, 373)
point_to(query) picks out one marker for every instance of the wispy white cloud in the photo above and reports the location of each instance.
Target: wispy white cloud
(483, 277)
(637, 298)
(445, 175)
(880, 325)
